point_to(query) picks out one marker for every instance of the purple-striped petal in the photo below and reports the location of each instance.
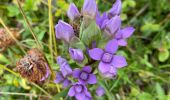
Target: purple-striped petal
(73, 12)
(104, 67)
(71, 92)
(87, 69)
(66, 83)
(127, 32)
(80, 96)
(96, 53)
(92, 79)
(112, 26)
(111, 46)
(119, 61)
(122, 42)
(76, 73)
(89, 8)
(116, 9)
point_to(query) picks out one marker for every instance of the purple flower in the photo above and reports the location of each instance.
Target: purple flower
(112, 26)
(62, 80)
(73, 12)
(89, 8)
(76, 54)
(64, 31)
(85, 75)
(64, 66)
(79, 91)
(100, 91)
(108, 62)
(101, 20)
(116, 9)
(123, 34)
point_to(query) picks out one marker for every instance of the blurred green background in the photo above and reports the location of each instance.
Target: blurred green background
(147, 76)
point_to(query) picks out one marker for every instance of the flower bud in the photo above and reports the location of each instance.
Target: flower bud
(100, 91)
(73, 12)
(89, 8)
(64, 31)
(116, 9)
(76, 54)
(64, 66)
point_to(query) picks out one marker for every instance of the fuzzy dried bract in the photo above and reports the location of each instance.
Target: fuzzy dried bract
(6, 40)
(33, 66)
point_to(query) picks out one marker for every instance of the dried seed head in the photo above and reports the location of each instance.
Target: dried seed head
(33, 66)
(6, 40)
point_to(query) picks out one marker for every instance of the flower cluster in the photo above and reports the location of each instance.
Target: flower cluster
(91, 47)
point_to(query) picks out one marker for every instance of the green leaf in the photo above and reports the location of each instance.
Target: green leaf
(160, 92)
(61, 94)
(3, 59)
(90, 34)
(163, 55)
(12, 10)
(109, 94)
(32, 4)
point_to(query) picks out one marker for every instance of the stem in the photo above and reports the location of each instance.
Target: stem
(51, 33)
(9, 32)
(29, 26)
(23, 94)
(14, 73)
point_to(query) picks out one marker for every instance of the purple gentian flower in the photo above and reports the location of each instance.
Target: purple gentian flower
(85, 75)
(64, 31)
(73, 12)
(64, 66)
(116, 9)
(79, 91)
(101, 20)
(100, 91)
(62, 80)
(112, 26)
(123, 34)
(76, 54)
(89, 8)
(108, 61)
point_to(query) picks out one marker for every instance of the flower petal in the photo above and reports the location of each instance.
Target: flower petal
(76, 73)
(113, 26)
(59, 78)
(122, 42)
(127, 32)
(92, 79)
(87, 69)
(80, 96)
(116, 9)
(104, 67)
(96, 53)
(89, 8)
(119, 61)
(66, 83)
(73, 12)
(111, 46)
(71, 92)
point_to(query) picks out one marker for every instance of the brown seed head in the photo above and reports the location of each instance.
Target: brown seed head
(6, 40)
(33, 66)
